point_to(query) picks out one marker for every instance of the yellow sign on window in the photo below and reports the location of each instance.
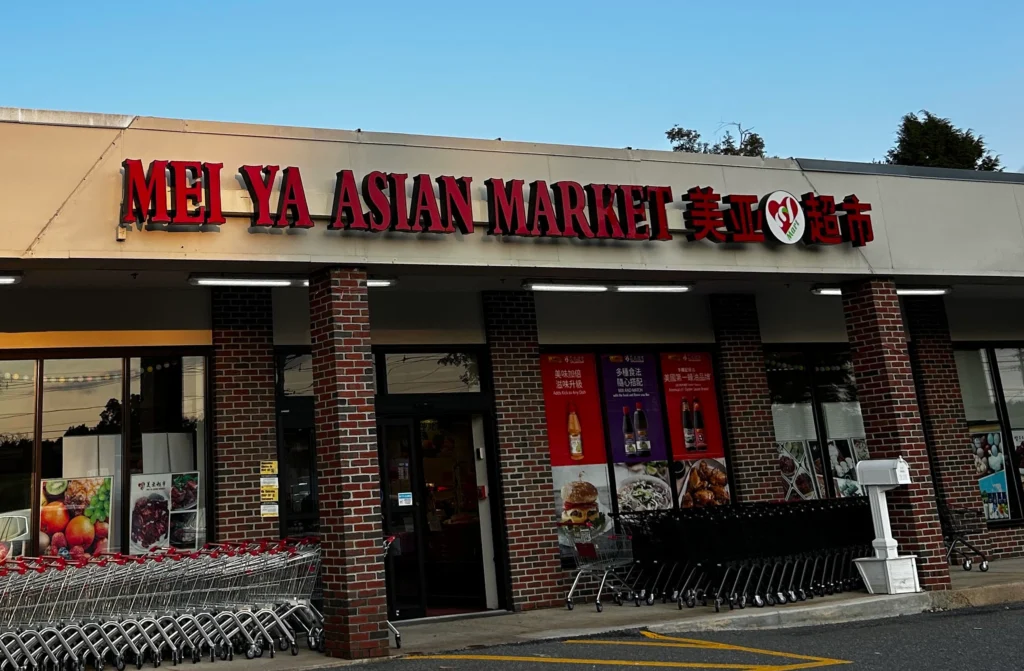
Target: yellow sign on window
(268, 467)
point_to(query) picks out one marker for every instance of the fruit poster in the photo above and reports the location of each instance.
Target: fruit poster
(164, 511)
(75, 518)
(990, 465)
(637, 432)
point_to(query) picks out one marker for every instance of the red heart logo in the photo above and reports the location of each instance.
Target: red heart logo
(773, 208)
(787, 206)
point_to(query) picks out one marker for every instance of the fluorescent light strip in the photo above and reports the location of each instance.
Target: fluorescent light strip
(240, 282)
(9, 279)
(379, 283)
(582, 288)
(653, 288)
(922, 292)
(932, 291)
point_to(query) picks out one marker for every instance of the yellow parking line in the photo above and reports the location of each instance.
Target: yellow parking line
(595, 662)
(713, 645)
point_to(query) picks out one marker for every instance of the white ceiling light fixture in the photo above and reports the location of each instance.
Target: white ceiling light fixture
(653, 288)
(923, 291)
(908, 291)
(554, 286)
(243, 282)
(380, 283)
(8, 279)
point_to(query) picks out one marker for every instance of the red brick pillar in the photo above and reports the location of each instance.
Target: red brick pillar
(534, 563)
(244, 426)
(942, 408)
(355, 601)
(747, 411)
(888, 402)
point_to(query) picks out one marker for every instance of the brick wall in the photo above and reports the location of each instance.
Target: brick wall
(535, 573)
(888, 402)
(747, 412)
(942, 409)
(355, 602)
(244, 425)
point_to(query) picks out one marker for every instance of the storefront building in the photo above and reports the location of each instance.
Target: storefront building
(221, 332)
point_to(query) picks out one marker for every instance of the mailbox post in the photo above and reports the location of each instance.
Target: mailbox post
(886, 572)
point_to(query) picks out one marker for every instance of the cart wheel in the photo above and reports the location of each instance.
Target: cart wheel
(321, 643)
(250, 652)
(636, 600)
(791, 595)
(691, 601)
(983, 566)
(967, 564)
(282, 645)
(758, 601)
(679, 601)
(119, 663)
(569, 604)
(829, 589)
(650, 599)
(600, 606)
(398, 641)
(801, 595)
(769, 599)
(743, 601)
(618, 598)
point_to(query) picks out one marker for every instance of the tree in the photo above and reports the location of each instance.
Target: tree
(931, 141)
(686, 139)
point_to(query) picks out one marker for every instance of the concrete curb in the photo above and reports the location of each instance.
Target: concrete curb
(849, 610)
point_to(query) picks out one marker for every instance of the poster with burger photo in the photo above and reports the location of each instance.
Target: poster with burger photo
(582, 496)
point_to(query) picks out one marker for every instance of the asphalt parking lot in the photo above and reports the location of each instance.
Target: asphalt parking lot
(985, 638)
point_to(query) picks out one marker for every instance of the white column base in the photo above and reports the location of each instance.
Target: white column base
(896, 575)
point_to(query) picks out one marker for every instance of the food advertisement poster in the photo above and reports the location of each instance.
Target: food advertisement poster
(74, 521)
(579, 459)
(572, 407)
(990, 470)
(695, 433)
(798, 462)
(164, 511)
(637, 432)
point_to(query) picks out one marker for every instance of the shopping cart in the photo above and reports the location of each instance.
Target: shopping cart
(610, 555)
(388, 542)
(247, 598)
(956, 524)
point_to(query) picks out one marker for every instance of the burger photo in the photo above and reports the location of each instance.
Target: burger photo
(580, 504)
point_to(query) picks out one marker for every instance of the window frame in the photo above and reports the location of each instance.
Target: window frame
(125, 354)
(812, 353)
(1016, 489)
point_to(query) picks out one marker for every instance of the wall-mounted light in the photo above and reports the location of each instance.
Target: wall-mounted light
(827, 291)
(653, 288)
(555, 286)
(7, 279)
(380, 283)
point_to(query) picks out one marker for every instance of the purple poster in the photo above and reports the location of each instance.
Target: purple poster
(633, 407)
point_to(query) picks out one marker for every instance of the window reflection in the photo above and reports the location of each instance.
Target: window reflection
(17, 433)
(298, 375)
(432, 373)
(81, 456)
(167, 457)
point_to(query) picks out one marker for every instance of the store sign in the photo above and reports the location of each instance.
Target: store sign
(188, 193)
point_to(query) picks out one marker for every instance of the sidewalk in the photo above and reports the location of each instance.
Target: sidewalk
(1003, 583)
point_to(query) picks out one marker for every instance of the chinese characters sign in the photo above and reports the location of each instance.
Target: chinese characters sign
(633, 407)
(572, 409)
(177, 194)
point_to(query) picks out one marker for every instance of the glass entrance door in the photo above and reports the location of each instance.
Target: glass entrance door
(431, 506)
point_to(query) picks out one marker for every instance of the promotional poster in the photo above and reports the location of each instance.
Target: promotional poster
(163, 511)
(75, 518)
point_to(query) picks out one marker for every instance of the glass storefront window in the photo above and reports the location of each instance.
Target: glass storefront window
(297, 374)
(168, 453)
(17, 439)
(81, 456)
(814, 403)
(432, 373)
(990, 462)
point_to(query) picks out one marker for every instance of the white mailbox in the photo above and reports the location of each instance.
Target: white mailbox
(883, 473)
(887, 572)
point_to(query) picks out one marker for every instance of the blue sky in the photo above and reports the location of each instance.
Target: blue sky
(823, 80)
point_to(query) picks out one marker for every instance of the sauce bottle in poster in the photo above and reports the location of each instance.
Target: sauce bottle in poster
(698, 428)
(643, 442)
(628, 435)
(575, 435)
(688, 439)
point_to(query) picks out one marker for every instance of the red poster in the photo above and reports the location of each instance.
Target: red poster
(573, 409)
(692, 404)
